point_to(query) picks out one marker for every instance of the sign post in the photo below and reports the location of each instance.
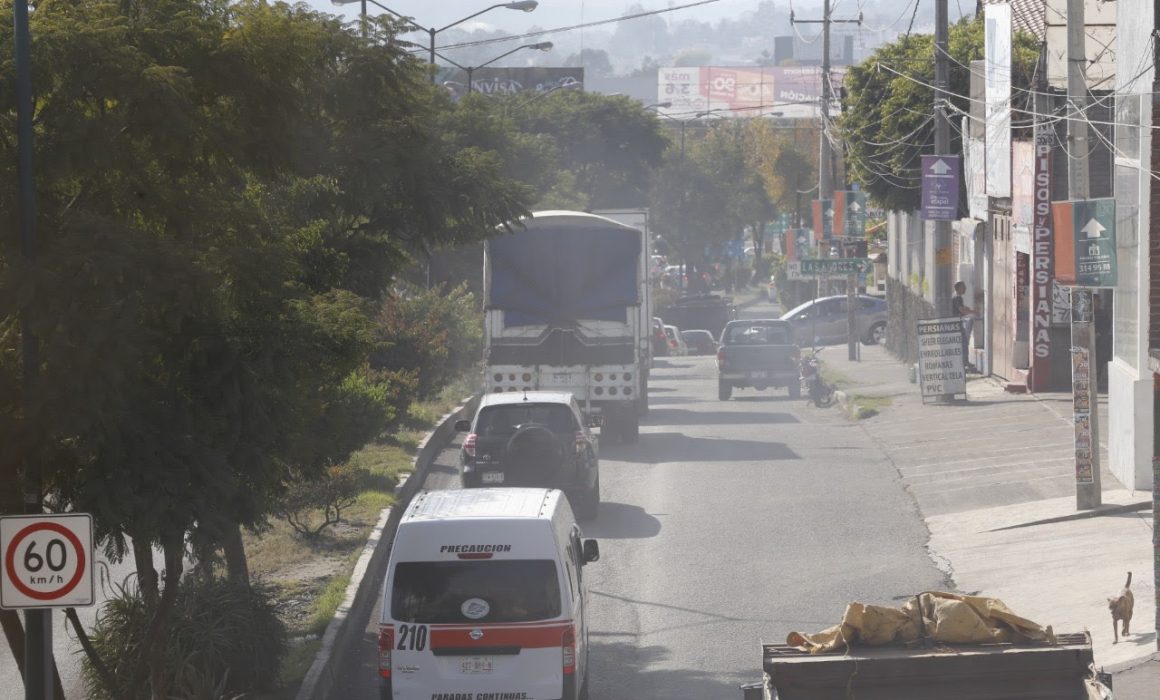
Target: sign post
(940, 359)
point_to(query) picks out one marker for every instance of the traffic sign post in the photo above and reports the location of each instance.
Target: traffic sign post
(46, 561)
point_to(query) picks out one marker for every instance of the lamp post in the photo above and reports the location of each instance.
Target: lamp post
(470, 70)
(521, 5)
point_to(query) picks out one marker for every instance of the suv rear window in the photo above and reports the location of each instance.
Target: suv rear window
(755, 334)
(512, 591)
(503, 420)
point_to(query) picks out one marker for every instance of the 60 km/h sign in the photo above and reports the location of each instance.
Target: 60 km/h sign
(46, 561)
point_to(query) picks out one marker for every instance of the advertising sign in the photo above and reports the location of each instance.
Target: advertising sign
(47, 561)
(744, 91)
(823, 210)
(940, 187)
(509, 81)
(1081, 402)
(1023, 183)
(976, 179)
(940, 357)
(1042, 262)
(1085, 242)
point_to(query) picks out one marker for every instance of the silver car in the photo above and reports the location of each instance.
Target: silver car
(823, 321)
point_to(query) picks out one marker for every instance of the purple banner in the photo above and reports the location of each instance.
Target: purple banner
(940, 187)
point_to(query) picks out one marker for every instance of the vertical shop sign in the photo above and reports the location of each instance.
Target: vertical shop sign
(1043, 255)
(1081, 402)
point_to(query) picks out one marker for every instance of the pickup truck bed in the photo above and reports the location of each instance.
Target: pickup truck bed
(943, 671)
(759, 354)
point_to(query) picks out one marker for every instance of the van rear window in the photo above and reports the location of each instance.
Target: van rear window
(475, 591)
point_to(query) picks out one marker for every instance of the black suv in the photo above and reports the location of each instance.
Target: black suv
(532, 438)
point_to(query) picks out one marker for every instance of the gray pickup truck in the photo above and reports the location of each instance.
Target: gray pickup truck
(758, 353)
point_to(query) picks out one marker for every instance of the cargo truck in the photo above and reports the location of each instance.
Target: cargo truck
(566, 309)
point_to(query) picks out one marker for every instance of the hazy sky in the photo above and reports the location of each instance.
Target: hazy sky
(550, 13)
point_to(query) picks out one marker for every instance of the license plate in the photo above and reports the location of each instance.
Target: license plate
(758, 375)
(562, 378)
(492, 477)
(475, 664)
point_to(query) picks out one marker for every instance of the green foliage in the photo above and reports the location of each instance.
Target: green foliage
(436, 332)
(887, 123)
(327, 495)
(226, 639)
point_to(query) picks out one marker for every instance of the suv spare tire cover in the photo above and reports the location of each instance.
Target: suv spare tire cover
(534, 452)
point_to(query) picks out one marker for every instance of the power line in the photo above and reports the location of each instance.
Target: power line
(557, 30)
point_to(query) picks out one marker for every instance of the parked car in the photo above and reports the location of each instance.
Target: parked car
(660, 341)
(532, 438)
(699, 342)
(824, 321)
(676, 342)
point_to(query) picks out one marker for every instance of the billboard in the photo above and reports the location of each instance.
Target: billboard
(794, 91)
(511, 81)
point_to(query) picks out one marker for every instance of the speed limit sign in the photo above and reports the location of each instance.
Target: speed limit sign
(46, 561)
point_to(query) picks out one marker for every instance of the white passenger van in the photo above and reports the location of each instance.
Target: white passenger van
(485, 598)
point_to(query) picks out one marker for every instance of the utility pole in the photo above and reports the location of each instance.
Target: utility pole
(942, 147)
(1088, 494)
(39, 669)
(826, 158)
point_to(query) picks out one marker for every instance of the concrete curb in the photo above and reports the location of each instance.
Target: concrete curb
(362, 592)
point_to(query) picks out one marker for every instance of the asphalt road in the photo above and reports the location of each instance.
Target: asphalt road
(729, 524)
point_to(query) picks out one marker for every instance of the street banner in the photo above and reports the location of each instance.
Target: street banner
(1081, 378)
(940, 358)
(997, 97)
(823, 210)
(797, 243)
(940, 187)
(853, 214)
(1085, 242)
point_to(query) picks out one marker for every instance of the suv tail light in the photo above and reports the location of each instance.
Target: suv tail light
(569, 646)
(721, 355)
(469, 445)
(581, 441)
(386, 643)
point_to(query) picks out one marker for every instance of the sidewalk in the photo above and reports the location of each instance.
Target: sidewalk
(994, 480)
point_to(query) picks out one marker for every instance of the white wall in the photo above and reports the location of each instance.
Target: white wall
(1129, 427)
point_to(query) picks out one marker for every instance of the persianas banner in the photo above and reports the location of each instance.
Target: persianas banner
(743, 92)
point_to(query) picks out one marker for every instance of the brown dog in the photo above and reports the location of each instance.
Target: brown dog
(1121, 607)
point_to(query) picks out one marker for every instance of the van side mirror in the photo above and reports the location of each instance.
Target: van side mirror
(462, 426)
(591, 551)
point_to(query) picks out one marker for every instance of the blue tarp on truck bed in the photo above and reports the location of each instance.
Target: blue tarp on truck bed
(558, 272)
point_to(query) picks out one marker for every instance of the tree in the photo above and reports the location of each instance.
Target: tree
(886, 122)
(225, 193)
(609, 144)
(595, 62)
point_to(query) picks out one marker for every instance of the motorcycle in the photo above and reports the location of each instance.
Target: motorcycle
(813, 386)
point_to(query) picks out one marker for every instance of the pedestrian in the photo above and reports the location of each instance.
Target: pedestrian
(967, 314)
(1103, 350)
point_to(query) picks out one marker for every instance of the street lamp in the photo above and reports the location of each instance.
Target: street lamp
(521, 5)
(470, 70)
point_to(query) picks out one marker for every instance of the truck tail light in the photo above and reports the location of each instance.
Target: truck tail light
(469, 445)
(386, 643)
(569, 646)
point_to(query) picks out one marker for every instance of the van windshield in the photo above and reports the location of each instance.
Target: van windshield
(475, 591)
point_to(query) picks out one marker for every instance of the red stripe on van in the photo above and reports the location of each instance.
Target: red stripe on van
(500, 635)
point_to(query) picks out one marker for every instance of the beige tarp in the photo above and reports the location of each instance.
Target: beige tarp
(945, 617)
